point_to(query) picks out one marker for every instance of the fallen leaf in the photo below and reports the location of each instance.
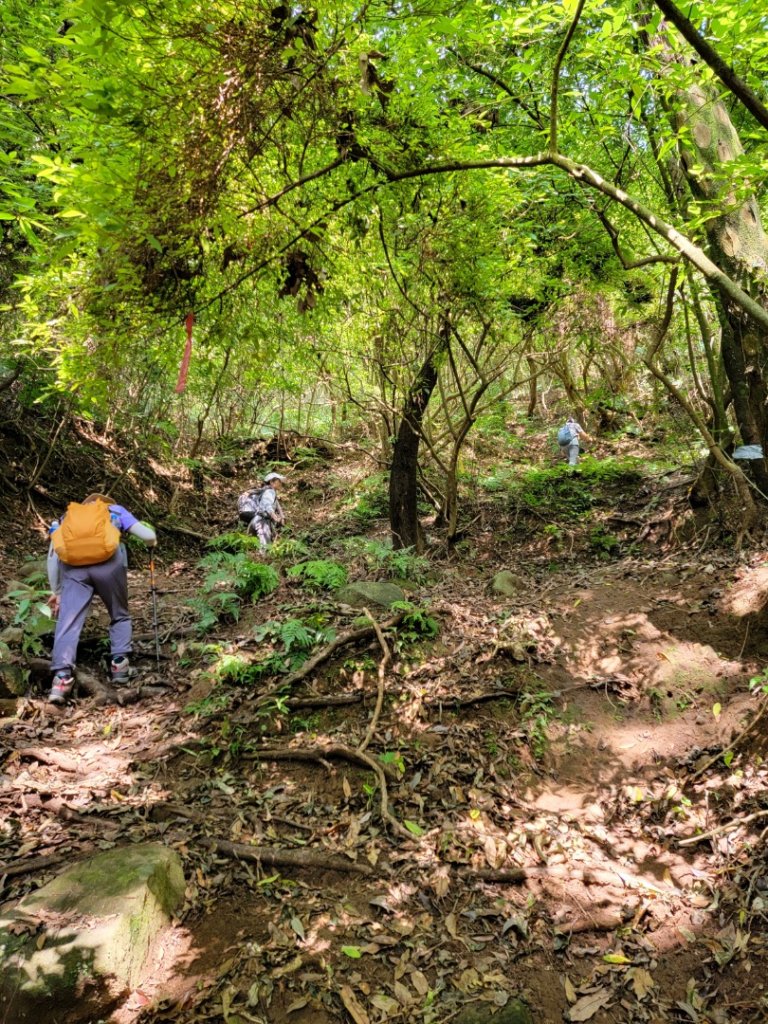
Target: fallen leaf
(297, 1004)
(570, 991)
(385, 1003)
(450, 925)
(588, 1006)
(353, 1006)
(403, 993)
(419, 982)
(642, 982)
(346, 787)
(352, 951)
(491, 853)
(616, 958)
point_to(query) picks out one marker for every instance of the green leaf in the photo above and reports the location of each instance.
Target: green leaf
(352, 951)
(413, 828)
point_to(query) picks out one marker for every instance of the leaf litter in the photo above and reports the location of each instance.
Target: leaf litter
(514, 762)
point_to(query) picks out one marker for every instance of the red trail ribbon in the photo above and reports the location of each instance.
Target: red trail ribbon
(184, 368)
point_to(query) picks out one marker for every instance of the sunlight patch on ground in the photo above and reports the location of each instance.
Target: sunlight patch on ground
(749, 595)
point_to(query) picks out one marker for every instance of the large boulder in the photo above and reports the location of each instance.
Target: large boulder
(364, 594)
(84, 939)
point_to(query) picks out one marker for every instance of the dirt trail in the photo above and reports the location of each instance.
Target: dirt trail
(575, 782)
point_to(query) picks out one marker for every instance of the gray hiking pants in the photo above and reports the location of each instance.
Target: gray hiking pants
(78, 584)
(262, 528)
(572, 450)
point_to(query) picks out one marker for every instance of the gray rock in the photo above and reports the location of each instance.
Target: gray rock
(362, 594)
(85, 938)
(507, 583)
(515, 1012)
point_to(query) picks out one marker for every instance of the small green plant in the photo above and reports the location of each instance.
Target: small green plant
(291, 642)
(372, 502)
(31, 612)
(213, 704)
(603, 541)
(319, 575)
(289, 547)
(415, 625)
(401, 564)
(538, 712)
(230, 579)
(233, 542)
(759, 683)
(656, 700)
(246, 577)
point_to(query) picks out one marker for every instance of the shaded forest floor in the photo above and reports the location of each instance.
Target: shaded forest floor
(574, 779)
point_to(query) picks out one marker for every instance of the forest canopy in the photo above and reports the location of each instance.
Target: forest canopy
(394, 214)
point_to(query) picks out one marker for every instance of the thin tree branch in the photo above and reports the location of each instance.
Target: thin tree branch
(724, 71)
(556, 77)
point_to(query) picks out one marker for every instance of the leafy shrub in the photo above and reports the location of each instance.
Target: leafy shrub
(402, 564)
(31, 612)
(289, 547)
(372, 500)
(415, 625)
(234, 542)
(231, 578)
(248, 578)
(291, 642)
(319, 575)
(603, 541)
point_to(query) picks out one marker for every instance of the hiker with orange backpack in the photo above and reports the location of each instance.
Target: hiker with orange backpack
(86, 556)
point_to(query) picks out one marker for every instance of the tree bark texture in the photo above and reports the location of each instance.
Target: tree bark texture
(738, 244)
(403, 477)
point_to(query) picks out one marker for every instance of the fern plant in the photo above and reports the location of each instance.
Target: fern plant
(234, 542)
(247, 578)
(319, 575)
(291, 642)
(415, 625)
(289, 547)
(230, 579)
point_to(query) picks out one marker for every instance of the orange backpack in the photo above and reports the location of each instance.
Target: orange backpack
(87, 534)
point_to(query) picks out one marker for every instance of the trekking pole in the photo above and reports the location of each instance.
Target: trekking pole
(153, 590)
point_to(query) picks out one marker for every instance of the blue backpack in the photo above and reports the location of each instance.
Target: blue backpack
(565, 434)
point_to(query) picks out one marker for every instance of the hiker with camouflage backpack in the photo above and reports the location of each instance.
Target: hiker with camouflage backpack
(86, 556)
(259, 509)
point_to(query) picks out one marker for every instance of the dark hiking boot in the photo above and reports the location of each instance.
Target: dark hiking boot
(62, 688)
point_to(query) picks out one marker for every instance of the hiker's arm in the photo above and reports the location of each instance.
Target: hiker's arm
(143, 532)
(53, 565)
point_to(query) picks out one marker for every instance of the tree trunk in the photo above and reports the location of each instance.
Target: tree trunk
(739, 246)
(403, 489)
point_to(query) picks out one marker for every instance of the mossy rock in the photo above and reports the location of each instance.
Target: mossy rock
(515, 1012)
(85, 937)
(507, 583)
(363, 594)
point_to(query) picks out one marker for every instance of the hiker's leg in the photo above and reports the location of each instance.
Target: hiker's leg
(76, 594)
(573, 452)
(263, 531)
(110, 581)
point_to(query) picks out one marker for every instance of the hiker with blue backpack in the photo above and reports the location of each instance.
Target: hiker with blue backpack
(87, 556)
(568, 437)
(260, 510)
